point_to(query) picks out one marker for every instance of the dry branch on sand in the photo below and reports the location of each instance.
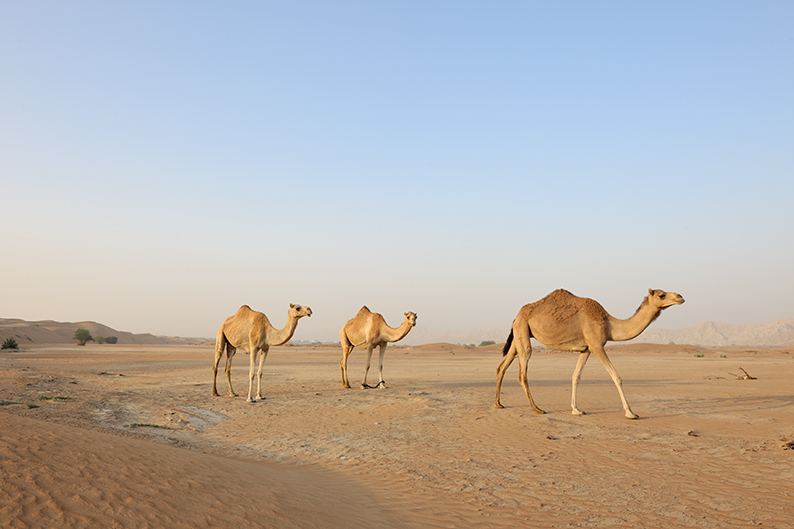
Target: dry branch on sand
(746, 375)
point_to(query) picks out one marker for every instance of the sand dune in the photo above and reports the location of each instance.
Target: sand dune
(428, 451)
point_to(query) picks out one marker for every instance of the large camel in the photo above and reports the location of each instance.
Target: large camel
(368, 329)
(251, 331)
(566, 322)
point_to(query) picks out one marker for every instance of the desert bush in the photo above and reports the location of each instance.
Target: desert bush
(487, 342)
(82, 336)
(10, 343)
(111, 339)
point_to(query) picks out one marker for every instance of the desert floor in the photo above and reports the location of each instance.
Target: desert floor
(129, 436)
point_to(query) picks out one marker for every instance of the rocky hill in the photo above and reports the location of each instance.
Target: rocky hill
(55, 332)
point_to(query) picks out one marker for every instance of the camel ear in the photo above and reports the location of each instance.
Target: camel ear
(650, 291)
(292, 306)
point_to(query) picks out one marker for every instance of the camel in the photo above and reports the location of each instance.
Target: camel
(251, 331)
(566, 322)
(368, 329)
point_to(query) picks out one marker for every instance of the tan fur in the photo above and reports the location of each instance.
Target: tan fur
(251, 331)
(369, 330)
(566, 322)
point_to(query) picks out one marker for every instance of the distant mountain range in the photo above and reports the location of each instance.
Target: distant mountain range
(48, 331)
(707, 334)
(713, 334)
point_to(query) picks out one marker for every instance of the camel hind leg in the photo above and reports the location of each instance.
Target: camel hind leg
(500, 373)
(347, 348)
(524, 348)
(221, 345)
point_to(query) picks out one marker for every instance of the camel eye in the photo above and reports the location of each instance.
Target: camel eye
(661, 296)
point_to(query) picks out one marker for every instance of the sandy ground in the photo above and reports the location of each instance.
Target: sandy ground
(129, 436)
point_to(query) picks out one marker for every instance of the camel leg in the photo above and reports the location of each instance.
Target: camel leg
(364, 384)
(221, 345)
(218, 355)
(381, 383)
(524, 353)
(500, 373)
(229, 355)
(602, 355)
(259, 373)
(577, 376)
(347, 348)
(254, 351)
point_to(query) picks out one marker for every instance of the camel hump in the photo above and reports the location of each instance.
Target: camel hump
(244, 308)
(364, 310)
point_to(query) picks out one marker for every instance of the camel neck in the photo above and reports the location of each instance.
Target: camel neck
(622, 330)
(282, 336)
(394, 334)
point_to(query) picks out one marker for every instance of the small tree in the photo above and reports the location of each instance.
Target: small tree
(82, 336)
(487, 342)
(99, 339)
(111, 339)
(10, 343)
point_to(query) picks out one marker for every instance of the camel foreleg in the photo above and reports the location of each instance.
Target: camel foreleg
(251, 372)
(602, 355)
(577, 376)
(364, 384)
(259, 373)
(381, 382)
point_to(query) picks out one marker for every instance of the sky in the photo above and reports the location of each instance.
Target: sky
(162, 164)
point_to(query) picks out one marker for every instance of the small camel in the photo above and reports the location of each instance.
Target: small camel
(566, 322)
(368, 329)
(251, 331)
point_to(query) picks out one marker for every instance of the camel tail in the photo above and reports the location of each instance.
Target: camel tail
(508, 343)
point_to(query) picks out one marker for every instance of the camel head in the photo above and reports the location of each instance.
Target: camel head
(411, 317)
(298, 311)
(661, 299)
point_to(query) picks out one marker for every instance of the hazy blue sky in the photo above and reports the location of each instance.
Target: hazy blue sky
(163, 163)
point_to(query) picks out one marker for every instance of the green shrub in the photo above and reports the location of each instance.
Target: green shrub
(10, 343)
(487, 342)
(111, 339)
(82, 336)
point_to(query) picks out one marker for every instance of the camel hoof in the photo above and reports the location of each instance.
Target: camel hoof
(498, 406)
(632, 416)
(381, 384)
(578, 412)
(539, 412)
